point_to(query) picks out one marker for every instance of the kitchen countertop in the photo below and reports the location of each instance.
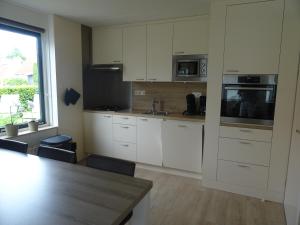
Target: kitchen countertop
(171, 116)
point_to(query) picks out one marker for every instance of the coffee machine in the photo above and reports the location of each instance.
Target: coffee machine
(191, 108)
(195, 104)
(202, 105)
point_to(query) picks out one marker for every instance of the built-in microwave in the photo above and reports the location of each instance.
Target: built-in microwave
(190, 68)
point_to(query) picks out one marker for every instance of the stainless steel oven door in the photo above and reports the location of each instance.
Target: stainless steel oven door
(245, 103)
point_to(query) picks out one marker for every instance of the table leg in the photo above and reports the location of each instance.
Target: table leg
(141, 212)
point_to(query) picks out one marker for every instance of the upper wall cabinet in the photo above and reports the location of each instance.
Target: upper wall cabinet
(253, 37)
(135, 53)
(191, 36)
(107, 45)
(159, 52)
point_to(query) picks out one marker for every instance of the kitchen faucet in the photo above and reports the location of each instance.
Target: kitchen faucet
(154, 101)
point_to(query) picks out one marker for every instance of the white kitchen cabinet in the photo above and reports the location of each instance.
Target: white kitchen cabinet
(253, 152)
(125, 150)
(253, 38)
(246, 133)
(182, 145)
(135, 53)
(107, 45)
(243, 174)
(149, 147)
(98, 133)
(159, 52)
(191, 36)
(124, 119)
(124, 133)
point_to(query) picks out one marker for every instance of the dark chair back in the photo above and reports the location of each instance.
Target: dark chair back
(57, 154)
(111, 165)
(16, 146)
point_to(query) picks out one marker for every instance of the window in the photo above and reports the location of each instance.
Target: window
(21, 76)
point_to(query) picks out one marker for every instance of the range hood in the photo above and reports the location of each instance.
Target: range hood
(107, 67)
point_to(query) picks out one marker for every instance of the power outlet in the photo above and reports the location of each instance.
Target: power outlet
(139, 92)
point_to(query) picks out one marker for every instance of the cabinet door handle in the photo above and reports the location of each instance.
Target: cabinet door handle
(107, 116)
(177, 53)
(152, 79)
(232, 71)
(144, 119)
(298, 131)
(139, 79)
(182, 126)
(243, 166)
(245, 143)
(125, 146)
(125, 118)
(116, 61)
(125, 127)
(246, 131)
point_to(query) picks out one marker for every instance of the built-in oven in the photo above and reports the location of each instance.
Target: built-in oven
(190, 68)
(249, 99)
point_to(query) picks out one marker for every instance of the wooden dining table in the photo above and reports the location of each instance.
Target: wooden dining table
(40, 191)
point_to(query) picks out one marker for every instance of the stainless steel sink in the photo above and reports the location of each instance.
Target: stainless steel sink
(158, 113)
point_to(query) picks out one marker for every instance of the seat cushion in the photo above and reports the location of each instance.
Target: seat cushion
(56, 140)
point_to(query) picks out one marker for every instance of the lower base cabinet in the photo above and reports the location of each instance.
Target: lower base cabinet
(182, 145)
(149, 148)
(98, 133)
(153, 141)
(244, 157)
(243, 174)
(124, 150)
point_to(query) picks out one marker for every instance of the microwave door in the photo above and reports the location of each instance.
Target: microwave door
(187, 68)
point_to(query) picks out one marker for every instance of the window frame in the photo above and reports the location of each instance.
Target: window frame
(38, 36)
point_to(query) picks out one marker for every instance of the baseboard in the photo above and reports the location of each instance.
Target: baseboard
(170, 171)
(251, 192)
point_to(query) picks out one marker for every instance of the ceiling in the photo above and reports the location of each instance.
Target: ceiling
(111, 12)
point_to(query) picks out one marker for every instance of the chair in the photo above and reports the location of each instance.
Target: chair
(113, 165)
(16, 146)
(57, 154)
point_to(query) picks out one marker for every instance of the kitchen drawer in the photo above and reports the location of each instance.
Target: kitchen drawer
(245, 151)
(126, 133)
(242, 174)
(246, 133)
(130, 120)
(126, 151)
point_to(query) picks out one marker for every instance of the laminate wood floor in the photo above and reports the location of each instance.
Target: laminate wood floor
(177, 200)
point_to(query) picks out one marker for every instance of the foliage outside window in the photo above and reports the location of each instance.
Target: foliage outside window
(21, 83)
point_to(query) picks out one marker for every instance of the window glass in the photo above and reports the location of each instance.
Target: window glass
(21, 84)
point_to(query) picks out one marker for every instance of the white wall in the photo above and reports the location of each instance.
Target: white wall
(292, 40)
(292, 194)
(66, 59)
(283, 122)
(23, 15)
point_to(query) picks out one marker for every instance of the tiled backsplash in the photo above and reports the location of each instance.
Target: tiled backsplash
(171, 95)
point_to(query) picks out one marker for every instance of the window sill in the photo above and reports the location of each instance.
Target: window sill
(26, 131)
